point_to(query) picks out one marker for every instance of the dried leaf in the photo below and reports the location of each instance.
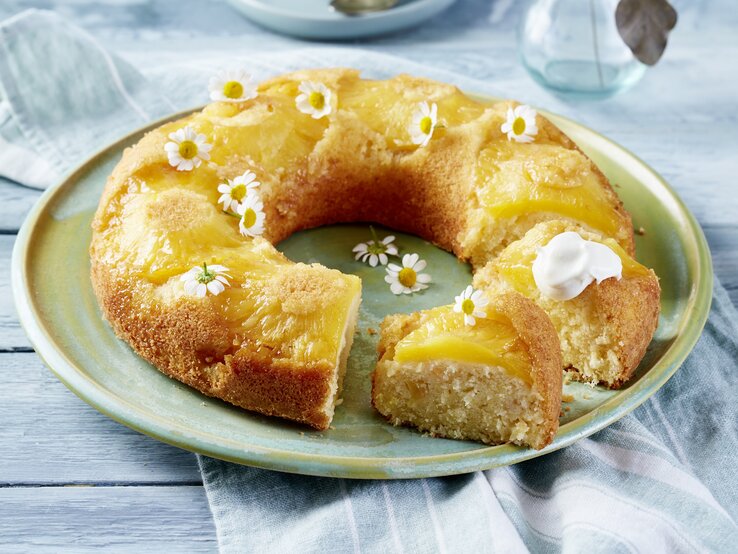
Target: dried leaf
(644, 25)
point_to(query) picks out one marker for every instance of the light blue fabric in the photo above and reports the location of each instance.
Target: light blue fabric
(662, 479)
(61, 95)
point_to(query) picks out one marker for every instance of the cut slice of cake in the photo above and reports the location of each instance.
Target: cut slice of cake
(497, 381)
(604, 330)
(295, 369)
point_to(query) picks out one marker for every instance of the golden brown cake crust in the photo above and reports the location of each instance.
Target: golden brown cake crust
(630, 307)
(351, 172)
(180, 340)
(542, 341)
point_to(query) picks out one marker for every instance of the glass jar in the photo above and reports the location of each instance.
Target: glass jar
(573, 48)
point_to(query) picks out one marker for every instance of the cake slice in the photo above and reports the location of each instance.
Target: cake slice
(293, 363)
(605, 330)
(497, 381)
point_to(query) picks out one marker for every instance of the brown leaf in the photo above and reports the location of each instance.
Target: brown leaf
(644, 25)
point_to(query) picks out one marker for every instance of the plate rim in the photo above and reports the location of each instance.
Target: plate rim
(120, 410)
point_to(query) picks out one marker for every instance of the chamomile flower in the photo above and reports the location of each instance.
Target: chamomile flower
(198, 281)
(252, 215)
(376, 251)
(520, 124)
(235, 190)
(407, 279)
(471, 303)
(234, 85)
(187, 149)
(314, 100)
(423, 123)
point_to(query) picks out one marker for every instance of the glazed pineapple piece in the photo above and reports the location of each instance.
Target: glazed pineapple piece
(520, 185)
(496, 381)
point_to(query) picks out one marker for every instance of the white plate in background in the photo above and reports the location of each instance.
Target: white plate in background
(316, 19)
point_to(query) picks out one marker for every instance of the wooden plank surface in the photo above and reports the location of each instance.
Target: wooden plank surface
(105, 519)
(15, 201)
(52, 437)
(12, 337)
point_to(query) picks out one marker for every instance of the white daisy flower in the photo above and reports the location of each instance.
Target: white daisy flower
(234, 85)
(470, 303)
(198, 281)
(187, 149)
(423, 123)
(315, 99)
(407, 279)
(376, 251)
(235, 190)
(252, 215)
(521, 124)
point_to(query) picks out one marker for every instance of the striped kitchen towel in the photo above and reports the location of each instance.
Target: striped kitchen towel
(662, 479)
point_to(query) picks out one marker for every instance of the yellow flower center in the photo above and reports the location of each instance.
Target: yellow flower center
(426, 125)
(248, 218)
(238, 192)
(518, 126)
(187, 149)
(233, 89)
(467, 306)
(316, 100)
(407, 277)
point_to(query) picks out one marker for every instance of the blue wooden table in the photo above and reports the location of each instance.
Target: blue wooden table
(70, 477)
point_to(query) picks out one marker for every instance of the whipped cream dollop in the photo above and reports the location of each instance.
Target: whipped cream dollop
(568, 264)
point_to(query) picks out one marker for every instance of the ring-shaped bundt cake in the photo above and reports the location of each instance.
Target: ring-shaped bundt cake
(274, 335)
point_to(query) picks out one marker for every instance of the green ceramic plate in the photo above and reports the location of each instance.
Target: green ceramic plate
(56, 305)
